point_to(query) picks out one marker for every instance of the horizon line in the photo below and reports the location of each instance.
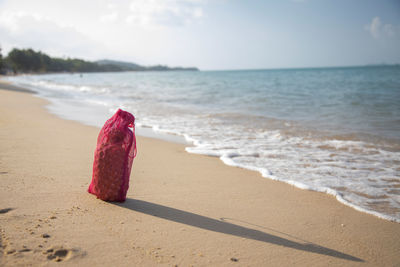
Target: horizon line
(302, 68)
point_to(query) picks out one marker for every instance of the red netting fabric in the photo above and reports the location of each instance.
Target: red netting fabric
(113, 158)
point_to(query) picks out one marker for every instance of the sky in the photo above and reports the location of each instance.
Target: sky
(208, 34)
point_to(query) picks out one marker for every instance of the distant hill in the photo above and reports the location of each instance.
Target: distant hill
(121, 64)
(129, 66)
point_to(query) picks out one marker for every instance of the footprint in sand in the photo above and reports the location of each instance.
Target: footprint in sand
(62, 254)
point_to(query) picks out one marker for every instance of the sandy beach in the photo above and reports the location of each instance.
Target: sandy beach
(181, 209)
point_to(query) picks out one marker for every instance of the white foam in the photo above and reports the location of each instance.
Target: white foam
(303, 164)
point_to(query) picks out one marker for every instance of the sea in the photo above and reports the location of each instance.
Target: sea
(332, 130)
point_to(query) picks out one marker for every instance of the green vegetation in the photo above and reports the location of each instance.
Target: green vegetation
(30, 61)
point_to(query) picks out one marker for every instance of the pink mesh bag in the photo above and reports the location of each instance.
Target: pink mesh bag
(113, 157)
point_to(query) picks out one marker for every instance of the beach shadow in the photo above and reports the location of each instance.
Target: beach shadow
(224, 227)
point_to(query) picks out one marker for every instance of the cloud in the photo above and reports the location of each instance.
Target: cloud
(164, 12)
(19, 29)
(113, 16)
(374, 27)
(379, 30)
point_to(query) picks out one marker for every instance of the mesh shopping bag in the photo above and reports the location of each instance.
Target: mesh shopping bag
(113, 158)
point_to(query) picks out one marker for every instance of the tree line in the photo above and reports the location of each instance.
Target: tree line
(30, 61)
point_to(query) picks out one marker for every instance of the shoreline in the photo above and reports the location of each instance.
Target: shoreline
(143, 131)
(188, 206)
(6, 85)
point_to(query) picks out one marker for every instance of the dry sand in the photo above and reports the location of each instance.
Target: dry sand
(182, 209)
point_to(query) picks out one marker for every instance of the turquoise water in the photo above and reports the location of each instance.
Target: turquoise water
(335, 130)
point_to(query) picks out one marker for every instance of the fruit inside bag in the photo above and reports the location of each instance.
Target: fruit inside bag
(113, 158)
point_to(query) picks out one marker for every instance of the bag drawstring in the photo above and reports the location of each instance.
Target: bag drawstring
(132, 125)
